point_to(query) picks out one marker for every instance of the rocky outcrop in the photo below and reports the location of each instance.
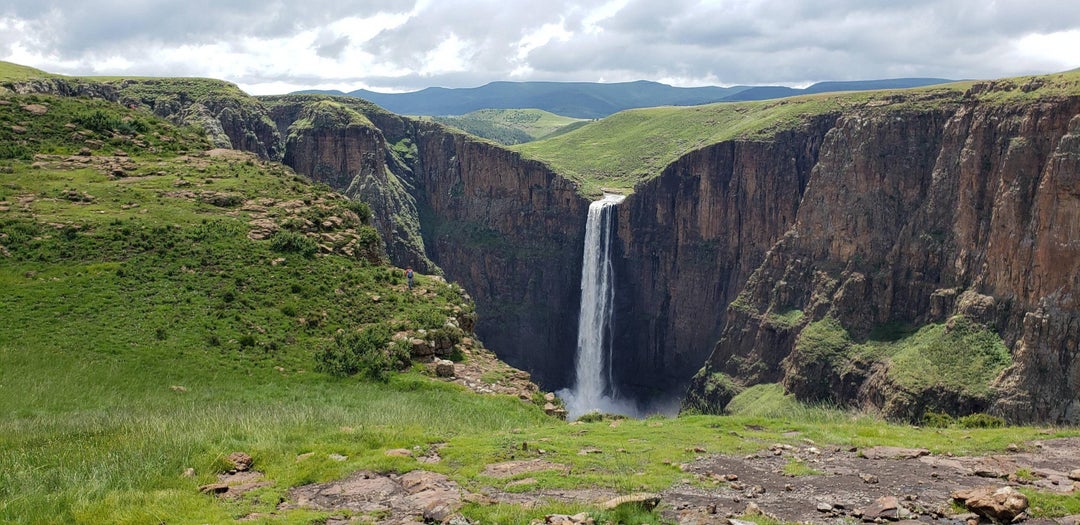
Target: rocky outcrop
(64, 87)
(508, 229)
(334, 144)
(912, 216)
(230, 117)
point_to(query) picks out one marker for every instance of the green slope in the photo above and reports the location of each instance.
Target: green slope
(148, 328)
(510, 126)
(10, 71)
(628, 147)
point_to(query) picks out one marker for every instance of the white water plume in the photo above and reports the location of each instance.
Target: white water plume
(594, 389)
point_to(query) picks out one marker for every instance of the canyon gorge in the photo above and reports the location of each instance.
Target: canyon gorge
(956, 208)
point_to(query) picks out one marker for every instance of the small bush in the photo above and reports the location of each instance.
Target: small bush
(366, 352)
(286, 241)
(937, 420)
(98, 120)
(981, 421)
(361, 209)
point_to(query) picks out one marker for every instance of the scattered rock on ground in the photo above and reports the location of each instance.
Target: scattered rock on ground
(240, 461)
(444, 368)
(393, 498)
(998, 504)
(893, 453)
(508, 469)
(645, 500)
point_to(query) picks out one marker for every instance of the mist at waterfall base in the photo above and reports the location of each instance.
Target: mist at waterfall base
(594, 389)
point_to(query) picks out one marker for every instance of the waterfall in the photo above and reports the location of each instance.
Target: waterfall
(593, 387)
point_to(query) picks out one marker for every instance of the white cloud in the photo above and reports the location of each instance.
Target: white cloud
(1053, 51)
(394, 45)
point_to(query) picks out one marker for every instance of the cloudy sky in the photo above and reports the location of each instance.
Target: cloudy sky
(277, 46)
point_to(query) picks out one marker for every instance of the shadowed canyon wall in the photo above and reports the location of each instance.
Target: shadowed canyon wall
(687, 242)
(508, 229)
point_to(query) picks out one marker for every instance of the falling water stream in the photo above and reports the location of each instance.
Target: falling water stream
(593, 386)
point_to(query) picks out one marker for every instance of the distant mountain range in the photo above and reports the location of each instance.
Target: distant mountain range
(595, 100)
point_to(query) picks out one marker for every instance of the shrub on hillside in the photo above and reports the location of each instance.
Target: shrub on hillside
(286, 241)
(981, 421)
(937, 420)
(366, 352)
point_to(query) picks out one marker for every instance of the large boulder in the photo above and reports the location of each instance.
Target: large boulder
(1000, 505)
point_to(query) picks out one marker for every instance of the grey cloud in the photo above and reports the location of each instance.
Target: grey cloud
(75, 28)
(734, 41)
(330, 46)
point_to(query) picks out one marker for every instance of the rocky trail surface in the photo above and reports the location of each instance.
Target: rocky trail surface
(873, 484)
(827, 485)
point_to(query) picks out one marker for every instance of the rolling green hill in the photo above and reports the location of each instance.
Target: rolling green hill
(635, 145)
(10, 71)
(510, 126)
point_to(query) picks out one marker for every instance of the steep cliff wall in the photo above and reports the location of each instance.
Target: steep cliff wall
(689, 239)
(511, 231)
(891, 215)
(911, 217)
(507, 229)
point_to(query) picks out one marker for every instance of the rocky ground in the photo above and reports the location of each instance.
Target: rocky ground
(832, 485)
(875, 484)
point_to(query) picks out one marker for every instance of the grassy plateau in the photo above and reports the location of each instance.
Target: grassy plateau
(635, 145)
(163, 305)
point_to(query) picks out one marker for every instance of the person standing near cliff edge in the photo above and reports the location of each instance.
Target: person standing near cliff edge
(409, 276)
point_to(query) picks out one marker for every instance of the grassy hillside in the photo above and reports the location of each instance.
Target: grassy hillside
(509, 126)
(628, 147)
(10, 71)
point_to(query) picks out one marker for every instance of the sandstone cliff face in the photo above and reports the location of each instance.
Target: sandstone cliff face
(911, 217)
(875, 216)
(354, 159)
(509, 230)
(687, 242)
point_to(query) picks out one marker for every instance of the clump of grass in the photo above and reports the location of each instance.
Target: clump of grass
(796, 467)
(286, 241)
(1051, 504)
